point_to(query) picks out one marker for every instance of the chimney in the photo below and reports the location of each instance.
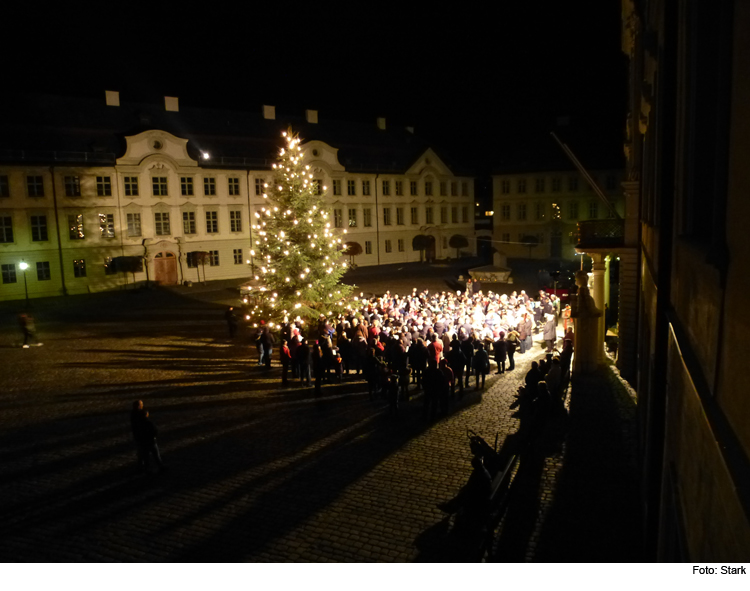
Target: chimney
(410, 129)
(269, 112)
(113, 98)
(312, 116)
(381, 122)
(171, 103)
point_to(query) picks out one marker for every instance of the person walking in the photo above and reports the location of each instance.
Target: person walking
(28, 329)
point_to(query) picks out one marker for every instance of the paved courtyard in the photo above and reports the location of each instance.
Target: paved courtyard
(260, 473)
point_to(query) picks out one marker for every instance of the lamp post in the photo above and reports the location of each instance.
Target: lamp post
(23, 265)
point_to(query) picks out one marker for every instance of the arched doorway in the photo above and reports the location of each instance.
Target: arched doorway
(430, 249)
(165, 268)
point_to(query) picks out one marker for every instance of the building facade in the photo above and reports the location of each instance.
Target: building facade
(72, 215)
(536, 214)
(687, 151)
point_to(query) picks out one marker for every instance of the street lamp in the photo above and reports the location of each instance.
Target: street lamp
(23, 267)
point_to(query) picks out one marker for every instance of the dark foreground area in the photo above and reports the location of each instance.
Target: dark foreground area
(260, 473)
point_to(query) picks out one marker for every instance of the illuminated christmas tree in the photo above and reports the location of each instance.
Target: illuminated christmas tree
(297, 250)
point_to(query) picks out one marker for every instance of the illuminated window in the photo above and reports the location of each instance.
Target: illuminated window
(107, 225)
(75, 227)
(79, 268)
(352, 217)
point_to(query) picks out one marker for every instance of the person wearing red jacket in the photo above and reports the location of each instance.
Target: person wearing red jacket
(286, 359)
(434, 351)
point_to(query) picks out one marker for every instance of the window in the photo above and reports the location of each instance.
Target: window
(6, 229)
(237, 252)
(43, 272)
(465, 214)
(159, 186)
(338, 218)
(539, 186)
(352, 217)
(399, 216)
(234, 185)
(386, 216)
(351, 187)
(131, 186)
(428, 216)
(186, 186)
(413, 187)
(505, 187)
(336, 186)
(386, 188)
(454, 189)
(188, 222)
(368, 247)
(593, 210)
(9, 273)
(35, 186)
(556, 184)
(259, 186)
(454, 214)
(428, 188)
(39, 228)
(212, 222)
(414, 216)
(134, 224)
(611, 212)
(72, 186)
(505, 237)
(190, 259)
(213, 258)
(572, 183)
(399, 188)
(209, 186)
(443, 189)
(539, 210)
(388, 246)
(505, 212)
(4, 186)
(107, 225)
(521, 212)
(367, 215)
(235, 221)
(521, 186)
(75, 227)
(103, 186)
(365, 187)
(464, 189)
(401, 247)
(161, 224)
(317, 187)
(573, 210)
(443, 215)
(79, 268)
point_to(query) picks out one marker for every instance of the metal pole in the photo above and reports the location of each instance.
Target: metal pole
(26, 289)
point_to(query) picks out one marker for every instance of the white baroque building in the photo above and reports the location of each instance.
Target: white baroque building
(82, 184)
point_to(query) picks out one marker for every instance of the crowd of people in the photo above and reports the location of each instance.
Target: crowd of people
(435, 342)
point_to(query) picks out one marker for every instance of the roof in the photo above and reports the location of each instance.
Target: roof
(43, 124)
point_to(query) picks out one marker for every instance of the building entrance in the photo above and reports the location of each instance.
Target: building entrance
(165, 268)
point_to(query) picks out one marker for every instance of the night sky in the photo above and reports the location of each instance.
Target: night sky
(486, 85)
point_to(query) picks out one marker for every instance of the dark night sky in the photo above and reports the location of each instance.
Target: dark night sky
(487, 83)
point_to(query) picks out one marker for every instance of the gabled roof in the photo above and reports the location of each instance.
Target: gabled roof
(244, 139)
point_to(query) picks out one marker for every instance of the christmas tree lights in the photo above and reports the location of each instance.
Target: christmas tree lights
(297, 250)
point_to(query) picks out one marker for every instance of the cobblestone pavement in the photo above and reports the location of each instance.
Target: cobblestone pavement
(256, 472)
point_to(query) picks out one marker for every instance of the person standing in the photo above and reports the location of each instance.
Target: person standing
(303, 362)
(550, 332)
(434, 351)
(481, 364)
(286, 359)
(467, 346)
(232, 322)
(266, 346)
(418, 361)
(457, 361)
(500, 350)
(511, 342)
(144, 434)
